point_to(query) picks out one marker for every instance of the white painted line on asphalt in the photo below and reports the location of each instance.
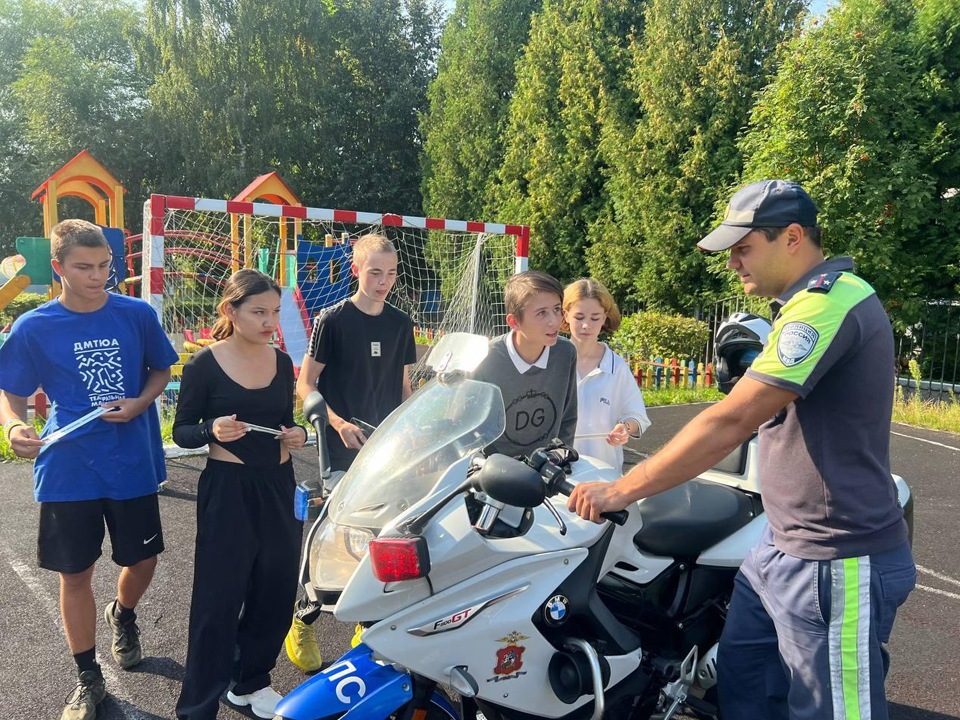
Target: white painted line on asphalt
(29, 578)
(52, 608)
(924, 440)
(935, 591)
(939, 576)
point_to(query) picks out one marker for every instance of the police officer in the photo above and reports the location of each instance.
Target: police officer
(815, 600)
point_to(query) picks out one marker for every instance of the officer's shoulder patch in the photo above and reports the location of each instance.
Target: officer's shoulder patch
(823, 283)
(796, 343)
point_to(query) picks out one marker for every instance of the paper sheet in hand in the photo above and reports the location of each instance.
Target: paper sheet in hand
(261, 428)
(78, 423)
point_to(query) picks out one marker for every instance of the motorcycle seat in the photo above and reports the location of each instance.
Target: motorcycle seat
(686, 520)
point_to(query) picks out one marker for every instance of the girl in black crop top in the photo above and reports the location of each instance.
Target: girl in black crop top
(248, 540)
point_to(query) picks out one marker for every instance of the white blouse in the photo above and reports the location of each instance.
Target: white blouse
(609, 394)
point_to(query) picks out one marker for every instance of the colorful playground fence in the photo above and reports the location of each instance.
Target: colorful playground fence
(659, 372)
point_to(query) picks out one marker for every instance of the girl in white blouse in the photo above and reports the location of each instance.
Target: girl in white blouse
(610, 407)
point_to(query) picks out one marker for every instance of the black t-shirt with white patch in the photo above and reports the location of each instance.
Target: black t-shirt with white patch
(364, 358)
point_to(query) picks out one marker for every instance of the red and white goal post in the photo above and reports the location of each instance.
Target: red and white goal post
(450, 277)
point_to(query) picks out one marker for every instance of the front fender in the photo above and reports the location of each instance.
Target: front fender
(355, 687)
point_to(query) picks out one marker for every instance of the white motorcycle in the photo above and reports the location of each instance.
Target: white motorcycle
(469, 572)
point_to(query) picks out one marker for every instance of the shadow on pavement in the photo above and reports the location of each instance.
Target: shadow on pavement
(178, 494)
(163, 666)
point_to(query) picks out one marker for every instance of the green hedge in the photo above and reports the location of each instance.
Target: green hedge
(653, 334)
(19, 305)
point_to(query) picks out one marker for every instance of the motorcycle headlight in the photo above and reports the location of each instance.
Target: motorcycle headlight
(357, 541)
(335, 553)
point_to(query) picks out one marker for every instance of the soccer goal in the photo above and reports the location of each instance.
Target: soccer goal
(450, 277)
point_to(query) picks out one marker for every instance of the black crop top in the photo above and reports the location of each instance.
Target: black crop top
(207, 392)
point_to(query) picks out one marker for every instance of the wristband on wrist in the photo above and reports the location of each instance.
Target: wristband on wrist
(9, 425)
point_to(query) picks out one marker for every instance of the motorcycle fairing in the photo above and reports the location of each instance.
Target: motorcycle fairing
(356, 687)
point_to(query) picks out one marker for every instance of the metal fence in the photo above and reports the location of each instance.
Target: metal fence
(721, 310)
(934, 343)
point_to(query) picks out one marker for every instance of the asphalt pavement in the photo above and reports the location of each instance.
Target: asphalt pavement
(37, 672)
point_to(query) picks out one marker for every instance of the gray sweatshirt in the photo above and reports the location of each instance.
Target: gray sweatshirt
(541, 403)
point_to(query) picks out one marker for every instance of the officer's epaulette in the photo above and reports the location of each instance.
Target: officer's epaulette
(823, 283)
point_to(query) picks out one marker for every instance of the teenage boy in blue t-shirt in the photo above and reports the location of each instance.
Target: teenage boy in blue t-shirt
(88, 349)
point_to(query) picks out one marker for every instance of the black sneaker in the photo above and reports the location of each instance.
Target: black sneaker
(89, 692)
(126, 648)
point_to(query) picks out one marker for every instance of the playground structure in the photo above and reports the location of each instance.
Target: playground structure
(83, 177)
(450, 277)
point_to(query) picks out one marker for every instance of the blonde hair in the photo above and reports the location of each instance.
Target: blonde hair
(69, 234)
(590, 289)
(369, 244)
(524, 286)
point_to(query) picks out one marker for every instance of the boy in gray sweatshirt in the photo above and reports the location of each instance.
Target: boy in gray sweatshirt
(535, 368)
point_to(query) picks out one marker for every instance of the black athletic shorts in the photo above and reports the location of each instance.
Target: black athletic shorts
(71, 533)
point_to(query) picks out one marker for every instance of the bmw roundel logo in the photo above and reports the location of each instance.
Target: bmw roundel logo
(556, 611)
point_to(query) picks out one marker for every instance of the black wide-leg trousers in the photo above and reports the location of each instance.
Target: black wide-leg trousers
(247, 557)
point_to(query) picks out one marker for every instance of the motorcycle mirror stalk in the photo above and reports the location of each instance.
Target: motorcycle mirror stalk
(309, 495)
(315, 411)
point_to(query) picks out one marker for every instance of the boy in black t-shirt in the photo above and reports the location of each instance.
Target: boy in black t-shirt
(359, 359)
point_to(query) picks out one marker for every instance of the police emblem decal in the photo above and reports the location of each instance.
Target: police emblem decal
(509, 658)
(796, 343)
(556, 611)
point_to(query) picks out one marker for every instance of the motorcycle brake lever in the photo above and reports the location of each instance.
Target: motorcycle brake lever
(556, 516)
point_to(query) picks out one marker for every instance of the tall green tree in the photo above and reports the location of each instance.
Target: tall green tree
(464, 126)
(864, 114)
(329, 93)
(68, 82)
(697, 70)
(569, 87)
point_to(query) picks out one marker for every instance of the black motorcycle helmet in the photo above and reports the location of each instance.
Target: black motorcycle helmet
(740, 339)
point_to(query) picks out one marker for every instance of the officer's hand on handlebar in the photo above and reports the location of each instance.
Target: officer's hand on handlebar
(588, 500)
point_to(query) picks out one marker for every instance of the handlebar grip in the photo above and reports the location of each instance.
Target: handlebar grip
(617, 517)
(565, 488)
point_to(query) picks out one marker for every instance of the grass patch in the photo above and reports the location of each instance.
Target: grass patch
(166, 425)
(680, 396)
(6, 452)
(930, 414)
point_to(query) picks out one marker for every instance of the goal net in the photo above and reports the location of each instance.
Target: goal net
(450, 273)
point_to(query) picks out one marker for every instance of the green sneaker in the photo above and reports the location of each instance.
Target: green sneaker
(126, 648)
(89, 692)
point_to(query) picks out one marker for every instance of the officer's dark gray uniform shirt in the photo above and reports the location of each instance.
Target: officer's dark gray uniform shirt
(825, 458)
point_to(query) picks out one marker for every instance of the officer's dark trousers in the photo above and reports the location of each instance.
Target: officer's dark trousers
(247, 556)
(804, 639)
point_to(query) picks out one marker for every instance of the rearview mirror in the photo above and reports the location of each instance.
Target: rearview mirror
(511, 482)
(315, 411)
(315, 408)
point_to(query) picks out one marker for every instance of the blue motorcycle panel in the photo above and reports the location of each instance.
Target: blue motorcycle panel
(355, 685)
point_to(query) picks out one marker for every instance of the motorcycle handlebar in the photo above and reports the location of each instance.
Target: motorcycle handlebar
(617, 517)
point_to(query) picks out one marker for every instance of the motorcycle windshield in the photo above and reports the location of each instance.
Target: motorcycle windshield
(443, 422)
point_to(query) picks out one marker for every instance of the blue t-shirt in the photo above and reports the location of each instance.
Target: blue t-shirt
(82, 360)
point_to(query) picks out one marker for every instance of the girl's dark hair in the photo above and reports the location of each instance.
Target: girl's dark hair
(241, 285)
